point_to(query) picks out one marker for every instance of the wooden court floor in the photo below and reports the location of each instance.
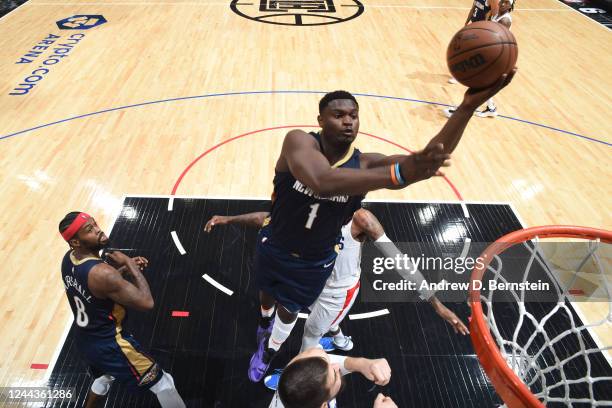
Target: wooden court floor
(134, 101)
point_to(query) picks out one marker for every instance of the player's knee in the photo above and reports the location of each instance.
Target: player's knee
(101, 385)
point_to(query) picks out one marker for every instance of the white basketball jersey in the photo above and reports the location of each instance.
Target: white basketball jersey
(347, 269)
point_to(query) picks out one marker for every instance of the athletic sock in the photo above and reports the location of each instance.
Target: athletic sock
(280, 333)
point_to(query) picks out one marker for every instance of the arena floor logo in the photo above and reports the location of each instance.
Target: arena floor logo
(298, 12)
(81, 22)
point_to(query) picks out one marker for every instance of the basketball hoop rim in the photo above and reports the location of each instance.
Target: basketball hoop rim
(508, 385)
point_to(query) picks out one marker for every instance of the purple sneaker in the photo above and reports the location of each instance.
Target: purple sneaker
(260, 362)
(264, 327)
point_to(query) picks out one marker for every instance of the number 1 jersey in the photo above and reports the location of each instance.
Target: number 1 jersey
(304, 223)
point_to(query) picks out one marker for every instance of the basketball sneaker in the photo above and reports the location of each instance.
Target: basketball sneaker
(271, 381)
(327, 344)
(260, 361)
(448, 112)
(487, 113)
(345, 343)
(264, 327)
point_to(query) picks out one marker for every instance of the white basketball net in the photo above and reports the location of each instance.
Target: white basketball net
(552, 354)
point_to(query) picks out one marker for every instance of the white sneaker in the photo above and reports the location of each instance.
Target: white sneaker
(346, 344)
(448, 112)
(452, 80)
(487, 113)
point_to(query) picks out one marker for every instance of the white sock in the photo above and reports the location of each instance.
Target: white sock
(339, 336)
(166, 393)
(491, 105)
(280, 333)
(267, 312)
(101, 385)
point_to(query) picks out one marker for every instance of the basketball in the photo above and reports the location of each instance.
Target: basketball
(480, 53)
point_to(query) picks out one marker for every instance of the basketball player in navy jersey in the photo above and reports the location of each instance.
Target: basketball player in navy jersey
(320, 180)
(99, 294)
(482, 10)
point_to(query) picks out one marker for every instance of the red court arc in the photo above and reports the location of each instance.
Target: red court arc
(253, 132)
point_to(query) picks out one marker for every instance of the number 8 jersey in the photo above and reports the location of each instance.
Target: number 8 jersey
(304, 223)
(93, 317)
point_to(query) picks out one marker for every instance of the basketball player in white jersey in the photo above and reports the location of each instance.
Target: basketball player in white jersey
(498, 11)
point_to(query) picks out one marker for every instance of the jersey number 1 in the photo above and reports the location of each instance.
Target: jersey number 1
(312, 215)
(81, 317)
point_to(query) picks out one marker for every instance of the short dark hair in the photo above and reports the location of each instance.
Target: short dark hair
(303, 383)
(332, 96)
(65, 223)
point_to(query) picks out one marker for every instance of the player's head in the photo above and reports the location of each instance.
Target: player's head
(80, 230)
(310, 380)
(339, 117)
(505, 6)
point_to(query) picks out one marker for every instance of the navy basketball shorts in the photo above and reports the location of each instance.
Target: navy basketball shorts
(123, 358)
(293, 281)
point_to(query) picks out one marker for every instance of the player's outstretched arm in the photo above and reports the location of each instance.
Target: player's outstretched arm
(309, 166)
(451, 132)
(450, 317)
(254, 219)
(106, 282)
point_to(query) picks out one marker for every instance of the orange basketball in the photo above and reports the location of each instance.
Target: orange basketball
(480, 53)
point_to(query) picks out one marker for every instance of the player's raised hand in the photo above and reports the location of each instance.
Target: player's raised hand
(383, 402)
(216, 220)
(473, 98)
(376, 370)
(424, 164)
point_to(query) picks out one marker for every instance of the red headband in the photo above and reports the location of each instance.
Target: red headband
(78, 222)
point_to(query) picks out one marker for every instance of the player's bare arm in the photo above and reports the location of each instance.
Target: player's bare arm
(366, 223)
(254, 220)
(106, 282)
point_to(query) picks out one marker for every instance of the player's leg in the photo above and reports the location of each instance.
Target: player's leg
(166, 392)
(125, 360)
(96, 397)
(322, 314)
(266, 320)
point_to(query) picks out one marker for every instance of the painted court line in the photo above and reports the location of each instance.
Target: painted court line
(466, 213)
(369, 315)
(170, 203)
(177, 243)
(217, 285)
(466, 248)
